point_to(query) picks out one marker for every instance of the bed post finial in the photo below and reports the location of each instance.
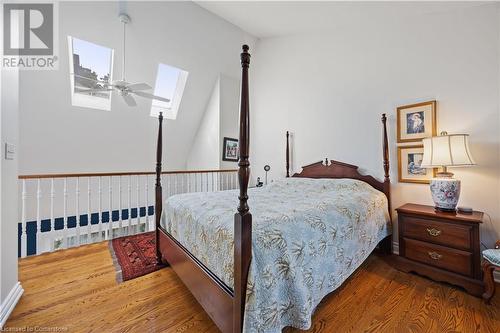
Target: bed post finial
(287, 154)
(158, 190)
(243, 218)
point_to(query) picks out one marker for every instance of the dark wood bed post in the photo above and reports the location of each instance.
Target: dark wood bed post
(386, 244)
(243, 218)
(287, 155)
(387, 179)
(158, 190)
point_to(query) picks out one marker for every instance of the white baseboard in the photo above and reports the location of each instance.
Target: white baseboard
(10, 303)
(496, 276)
(395, 250)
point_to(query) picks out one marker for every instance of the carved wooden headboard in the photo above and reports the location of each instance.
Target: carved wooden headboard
(336, 169)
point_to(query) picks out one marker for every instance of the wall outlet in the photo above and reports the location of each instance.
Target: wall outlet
(10, 151)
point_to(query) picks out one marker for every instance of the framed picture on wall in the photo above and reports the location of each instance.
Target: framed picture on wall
(230, 150)
(416, 121)
(409, 161)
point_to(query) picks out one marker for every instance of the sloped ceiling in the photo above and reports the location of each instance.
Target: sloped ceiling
(58, 137)
(266, 19)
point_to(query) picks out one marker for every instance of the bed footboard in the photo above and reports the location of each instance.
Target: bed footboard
(213, 295)
(226, 307)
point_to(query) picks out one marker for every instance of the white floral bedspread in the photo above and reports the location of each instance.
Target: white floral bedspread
(309, 235)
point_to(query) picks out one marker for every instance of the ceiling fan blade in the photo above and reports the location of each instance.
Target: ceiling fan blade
(151, 96)
(119, 83)
(79, 90)
(139, 86)
(89, 79)
(129, 99)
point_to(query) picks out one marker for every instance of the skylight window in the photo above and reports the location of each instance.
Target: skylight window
(91, 67)
(170, 83)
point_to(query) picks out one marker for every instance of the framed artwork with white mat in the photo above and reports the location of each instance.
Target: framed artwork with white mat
(409, 165)
(416, 121)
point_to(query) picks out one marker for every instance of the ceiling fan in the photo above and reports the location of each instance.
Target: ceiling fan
(127, 90)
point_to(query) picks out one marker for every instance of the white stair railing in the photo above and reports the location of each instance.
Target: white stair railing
(54, 207)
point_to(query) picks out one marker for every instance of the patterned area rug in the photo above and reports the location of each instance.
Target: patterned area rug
(134, 256)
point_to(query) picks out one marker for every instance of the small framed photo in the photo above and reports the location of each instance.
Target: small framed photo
(409, 161)
(416, 121)
(230, 150)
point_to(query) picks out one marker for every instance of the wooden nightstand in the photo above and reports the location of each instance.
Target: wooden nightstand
(440, 245)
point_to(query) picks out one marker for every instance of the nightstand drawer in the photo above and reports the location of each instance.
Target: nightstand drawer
(457, 236)
(439, 256)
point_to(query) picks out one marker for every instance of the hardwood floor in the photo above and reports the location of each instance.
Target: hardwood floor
(75, 291)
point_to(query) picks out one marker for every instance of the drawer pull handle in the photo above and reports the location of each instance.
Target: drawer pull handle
(434, 232)
(435, 255)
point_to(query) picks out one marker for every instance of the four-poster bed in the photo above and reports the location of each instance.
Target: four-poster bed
(220, 284)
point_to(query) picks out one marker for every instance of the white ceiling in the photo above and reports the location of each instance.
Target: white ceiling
(279, 18)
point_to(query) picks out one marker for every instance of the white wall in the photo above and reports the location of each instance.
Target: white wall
(331, 88)
(205, 150)
(220, 120)
(57, 137)
(9, 112)
(229, 113)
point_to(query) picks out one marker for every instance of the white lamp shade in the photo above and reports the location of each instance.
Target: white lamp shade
(447, 150)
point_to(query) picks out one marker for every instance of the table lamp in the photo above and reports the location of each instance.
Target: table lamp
(446, 150)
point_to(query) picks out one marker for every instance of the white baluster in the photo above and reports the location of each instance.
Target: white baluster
(52, 220)
(166, 181)
(129, 191)
(65, 214)
(100, 209)
(89, 211)
(175, 183)
(110, 197)
(38, 248)
(24, 235)
(120, 225)
(147, 203)
(137, 228)
(77, 216)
